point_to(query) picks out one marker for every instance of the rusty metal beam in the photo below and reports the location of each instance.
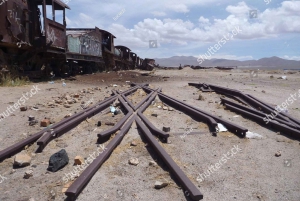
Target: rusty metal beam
(152, 128)
(251, 101)
(186, 183)
(234, 128)
(292, 119)
(114, 129)
(67, 126)
(15, 148)
(78, 185)
(281, 127)
(256, 112)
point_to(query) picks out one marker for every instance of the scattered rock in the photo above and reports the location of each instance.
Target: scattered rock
(159, 107)
(133, 143)
(58, 101)
(278, 153)
(154, 115)
(210, 101)
(133, 161)
(79, 160)
(170, 109)
(201, 97)
(68, 115)
(271, 76)
(70, 101)
(33, 122)
(67, 106)
(166, 129)
(45, 123)
(23, 108)
(263, 91)
(99, 123)
(28, 174)
(58, 161)
(31, 118)
(22, 159)
(152, 163)
(159, 185)
(109, 123)
(165, 108)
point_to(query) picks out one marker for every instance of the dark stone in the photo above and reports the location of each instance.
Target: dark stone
(166, 129)
(31, 118)
(58, 161)
(33, 122)
(99, 123)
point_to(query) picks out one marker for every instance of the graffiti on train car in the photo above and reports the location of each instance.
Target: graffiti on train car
(51, 35)
(90, 46)
(14, 15)
(2, 2)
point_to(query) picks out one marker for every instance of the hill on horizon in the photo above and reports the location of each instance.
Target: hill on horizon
(265, 63)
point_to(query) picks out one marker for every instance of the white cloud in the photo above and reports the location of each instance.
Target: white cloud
(291, 57)
(180, 8)
(158, 13)
(134, 29)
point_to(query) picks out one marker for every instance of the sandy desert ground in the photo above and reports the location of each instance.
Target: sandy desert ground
(253, 173)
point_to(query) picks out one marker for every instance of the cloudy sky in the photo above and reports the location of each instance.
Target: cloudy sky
(248, 29)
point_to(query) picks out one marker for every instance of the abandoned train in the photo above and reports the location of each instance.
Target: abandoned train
(35, 40)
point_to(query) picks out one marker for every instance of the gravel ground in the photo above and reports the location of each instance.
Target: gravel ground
(251, 173)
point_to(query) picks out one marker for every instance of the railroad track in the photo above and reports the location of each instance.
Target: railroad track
(254, 109)
(133, 113)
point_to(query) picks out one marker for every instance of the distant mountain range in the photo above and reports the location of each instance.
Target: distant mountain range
(264, 63)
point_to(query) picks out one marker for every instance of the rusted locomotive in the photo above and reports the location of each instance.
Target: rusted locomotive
(34, 40)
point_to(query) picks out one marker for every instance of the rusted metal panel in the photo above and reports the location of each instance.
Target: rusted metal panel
(85, 41)
(12, 20)
(55, 33)
(90, 45)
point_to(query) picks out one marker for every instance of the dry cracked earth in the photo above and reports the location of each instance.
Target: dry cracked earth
(253, 173)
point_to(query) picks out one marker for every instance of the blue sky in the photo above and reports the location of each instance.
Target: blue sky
(191, 27)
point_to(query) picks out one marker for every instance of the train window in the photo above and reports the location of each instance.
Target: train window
(49, 12)
(59, 16)
(40, 11)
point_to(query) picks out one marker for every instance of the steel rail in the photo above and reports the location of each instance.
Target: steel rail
(78, 185)
(67, 126)
(294, 120)
(114, 129)
(152, 128)
(17, 147)
(251, 101)
(256, 112)
(281, 127)
(190, 189)
(234, 128)
(254, 103)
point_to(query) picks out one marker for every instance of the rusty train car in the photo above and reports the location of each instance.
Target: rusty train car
(35, 40)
